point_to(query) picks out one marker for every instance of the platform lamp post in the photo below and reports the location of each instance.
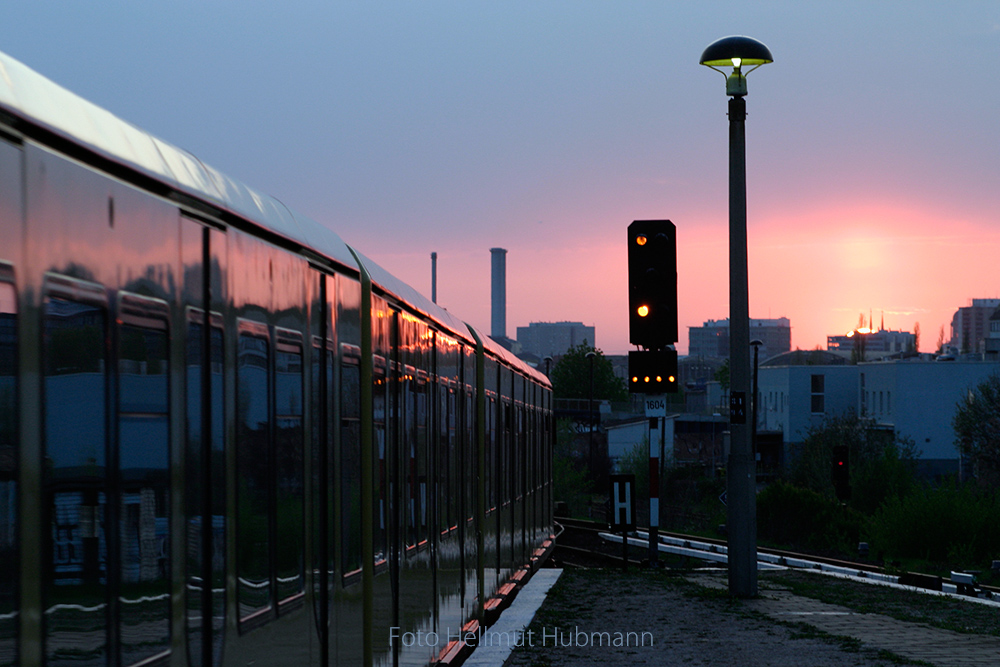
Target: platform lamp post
(741, 477)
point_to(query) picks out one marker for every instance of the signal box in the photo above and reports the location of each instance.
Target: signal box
(652, 371)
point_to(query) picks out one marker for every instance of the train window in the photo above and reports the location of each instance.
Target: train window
(288, 466)
(491, 460)
(409, 415)
(379, 404)
(75, 474)
(206, 553)
(144, 479)
(253, 472)
(350, 462)
(421, 400)
(8, 474)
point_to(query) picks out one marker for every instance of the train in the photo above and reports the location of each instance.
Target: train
(226, 436)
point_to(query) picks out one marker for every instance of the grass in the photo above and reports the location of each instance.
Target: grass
(940, 612)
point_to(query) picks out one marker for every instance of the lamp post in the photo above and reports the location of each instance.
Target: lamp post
(741, 478)
(592, 456)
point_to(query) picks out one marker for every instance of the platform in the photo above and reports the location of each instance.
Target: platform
(599, 617)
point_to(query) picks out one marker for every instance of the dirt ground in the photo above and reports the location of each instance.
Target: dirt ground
(602, 617)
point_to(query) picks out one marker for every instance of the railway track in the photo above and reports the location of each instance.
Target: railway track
(582, 543)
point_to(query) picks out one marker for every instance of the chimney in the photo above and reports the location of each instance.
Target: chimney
(498, 324)
(434, 277)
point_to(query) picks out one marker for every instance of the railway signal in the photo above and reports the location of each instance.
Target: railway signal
(652, 283)
(652, 371)
(841, 472)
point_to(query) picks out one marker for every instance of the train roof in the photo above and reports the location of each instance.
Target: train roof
(33, 98)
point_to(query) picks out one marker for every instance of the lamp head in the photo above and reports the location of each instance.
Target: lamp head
(736, 51)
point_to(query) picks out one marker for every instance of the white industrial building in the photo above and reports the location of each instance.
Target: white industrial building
(914, 398)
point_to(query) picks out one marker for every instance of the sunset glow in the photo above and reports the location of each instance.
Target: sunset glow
(532, 127)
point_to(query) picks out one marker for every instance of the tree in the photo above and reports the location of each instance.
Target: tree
(977, 429)
(916, 337)
(940, 340)
(881, 465)
(722, 376)
(571, 376)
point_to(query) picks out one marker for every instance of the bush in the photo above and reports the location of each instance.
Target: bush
(948, 526)
(882, 466)
(570, 485)
(804, 519)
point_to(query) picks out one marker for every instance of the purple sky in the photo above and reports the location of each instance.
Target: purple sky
(547, 127)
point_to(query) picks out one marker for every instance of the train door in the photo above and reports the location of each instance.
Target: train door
(203, 256)
(382, 586)
(11, 216)
(323, 410)
(448, 492)
(103, 556)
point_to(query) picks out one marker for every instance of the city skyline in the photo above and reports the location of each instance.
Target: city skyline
(546, 128)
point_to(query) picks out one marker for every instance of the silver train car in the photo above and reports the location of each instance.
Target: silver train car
(226, 437)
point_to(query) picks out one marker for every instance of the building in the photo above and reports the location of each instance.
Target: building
(971, 325)
(551, 339)
(795, 399)
(626, 435)
(712, 338)
(913, 398)
(993, 339)
(869, 345)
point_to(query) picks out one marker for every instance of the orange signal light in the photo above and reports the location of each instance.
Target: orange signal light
(641, 239)
(643, 310)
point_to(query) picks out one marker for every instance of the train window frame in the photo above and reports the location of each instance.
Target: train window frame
(263, 613)
(351, 563)
(144, 313)
(9, 408)
(380, 480)
(96, 519)
(288, 341)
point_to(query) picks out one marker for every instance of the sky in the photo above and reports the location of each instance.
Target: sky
(545, 128)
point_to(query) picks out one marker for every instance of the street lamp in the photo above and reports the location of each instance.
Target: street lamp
(592, 455)
(738, 51)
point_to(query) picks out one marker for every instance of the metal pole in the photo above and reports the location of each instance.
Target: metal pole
(654, 488)
(434, 277)
(741, 476)
(753, 424)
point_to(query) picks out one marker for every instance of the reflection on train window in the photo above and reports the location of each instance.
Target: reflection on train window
(201, 468)
(421, 456)
(379, 402)
(143, 458)
(253, 470)
(410, 456)
(322, 499)
(8, 475)
(290, 486)
(75, 474)
(350, 466)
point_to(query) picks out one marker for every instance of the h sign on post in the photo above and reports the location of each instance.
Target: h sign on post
(622, 502)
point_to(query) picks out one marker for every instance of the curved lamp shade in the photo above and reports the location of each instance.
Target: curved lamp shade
(747, 50)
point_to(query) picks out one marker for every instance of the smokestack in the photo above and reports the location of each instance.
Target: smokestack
(498, 325)
(434, 277)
